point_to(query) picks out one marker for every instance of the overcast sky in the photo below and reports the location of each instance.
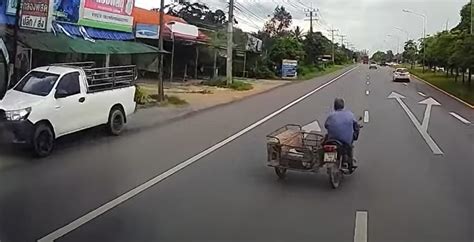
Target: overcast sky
(366, 23)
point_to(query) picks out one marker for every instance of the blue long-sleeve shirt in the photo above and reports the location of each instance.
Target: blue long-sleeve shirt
(340, 126)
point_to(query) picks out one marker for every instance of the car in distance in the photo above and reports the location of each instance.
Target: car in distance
(373, 66)
(401, 74)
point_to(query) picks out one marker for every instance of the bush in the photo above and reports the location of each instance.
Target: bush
(240, 86)
(141, 97)
(175, 100)
(235, 85)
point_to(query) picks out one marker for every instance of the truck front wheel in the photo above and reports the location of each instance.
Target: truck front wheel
(116, 122)
(43, 140)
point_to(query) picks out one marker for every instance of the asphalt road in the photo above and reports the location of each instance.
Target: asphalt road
(407, 192)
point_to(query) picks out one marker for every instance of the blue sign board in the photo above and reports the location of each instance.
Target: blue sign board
(147, 31)
(289, 69)
(67, 10)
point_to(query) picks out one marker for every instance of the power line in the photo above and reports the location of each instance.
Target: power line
(250, 12)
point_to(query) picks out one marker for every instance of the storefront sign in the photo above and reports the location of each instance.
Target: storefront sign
(108, 14)
(34, 14)
(289, 69)
(11, 7)
(66, 10)
(147, 31)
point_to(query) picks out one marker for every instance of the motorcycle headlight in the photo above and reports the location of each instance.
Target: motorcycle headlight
(17, 115)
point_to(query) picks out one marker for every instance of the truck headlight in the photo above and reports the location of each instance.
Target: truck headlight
(17, 115)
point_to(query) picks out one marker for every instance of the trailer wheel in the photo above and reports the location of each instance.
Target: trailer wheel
(43, 140)
(281, 172)
(116, 122)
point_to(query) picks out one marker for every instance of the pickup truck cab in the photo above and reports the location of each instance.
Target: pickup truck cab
(53, 101)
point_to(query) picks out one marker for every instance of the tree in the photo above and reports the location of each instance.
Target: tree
(297, 33)
(198, 14)
(286, 48)
(379, 57)
(280, 22)
(389, 56)
(465, 24)
(315, 45)
(410, 52)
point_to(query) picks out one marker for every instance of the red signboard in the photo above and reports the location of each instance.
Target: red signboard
(34, 14)
(121, 7)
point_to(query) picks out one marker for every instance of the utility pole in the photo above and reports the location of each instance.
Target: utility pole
(472, 17)
(342, 39)
(15, 40)
(333, 49)
(310, 12)
(230, 41)
(161, 94)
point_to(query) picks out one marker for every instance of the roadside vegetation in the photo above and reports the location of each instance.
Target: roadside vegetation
(449, 58)
(237, 85)
(146, 97)
(446, 82)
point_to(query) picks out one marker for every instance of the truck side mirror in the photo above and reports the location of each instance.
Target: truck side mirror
(60, 93)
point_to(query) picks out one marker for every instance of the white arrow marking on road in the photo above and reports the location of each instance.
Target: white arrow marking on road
(426, 119)
(314, 126)
(465, 121)
(360, 228)
(431, 143)
(421, 94)
(366, 116)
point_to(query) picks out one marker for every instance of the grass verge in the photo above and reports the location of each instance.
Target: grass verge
(237, 85)
(447, 83)
(317, 73)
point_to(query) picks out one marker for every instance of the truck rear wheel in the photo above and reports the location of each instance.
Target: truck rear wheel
(43, 140)
(116, 122)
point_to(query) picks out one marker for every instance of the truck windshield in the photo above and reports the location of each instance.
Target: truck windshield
(37, 83)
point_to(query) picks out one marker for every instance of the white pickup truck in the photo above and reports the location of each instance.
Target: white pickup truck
(53, 101)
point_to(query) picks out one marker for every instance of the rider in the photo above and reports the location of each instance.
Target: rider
(342, 126)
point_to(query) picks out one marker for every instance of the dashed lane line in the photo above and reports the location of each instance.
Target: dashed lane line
(360, 228)
(460, 118)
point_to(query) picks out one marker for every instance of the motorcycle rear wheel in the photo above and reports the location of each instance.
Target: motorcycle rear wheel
(281, 172)
(335, 178)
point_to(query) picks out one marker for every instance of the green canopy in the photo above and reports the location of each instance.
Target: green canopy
(61, 43)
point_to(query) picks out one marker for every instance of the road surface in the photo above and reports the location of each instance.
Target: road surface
(403, 190)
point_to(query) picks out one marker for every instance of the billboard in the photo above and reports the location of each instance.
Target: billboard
(289, 69)
(108, 14)
(11, 7)
(147, 31)
(67, 10)
(34, 14)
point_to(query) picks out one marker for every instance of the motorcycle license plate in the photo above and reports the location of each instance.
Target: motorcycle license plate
(330, 157)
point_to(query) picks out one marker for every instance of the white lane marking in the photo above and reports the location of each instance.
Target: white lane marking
(421, 94)
(406, 84)
(368, 83)
(137, 190)
(366, 116)
(465, 121)
(431, 143)
(367, 92)
(360, 228)
(313, 126)
(429, 102)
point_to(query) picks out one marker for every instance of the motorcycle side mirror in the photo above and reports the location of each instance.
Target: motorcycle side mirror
(360, 118)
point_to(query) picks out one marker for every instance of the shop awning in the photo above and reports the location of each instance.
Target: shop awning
(61, 43)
